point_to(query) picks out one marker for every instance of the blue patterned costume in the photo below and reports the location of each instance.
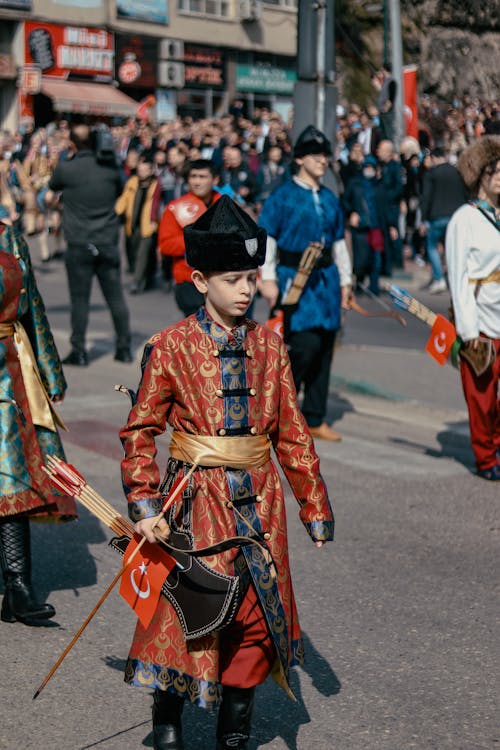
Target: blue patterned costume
(23, 446)
(296, 216)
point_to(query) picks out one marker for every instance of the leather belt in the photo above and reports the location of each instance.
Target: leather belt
(292, 260)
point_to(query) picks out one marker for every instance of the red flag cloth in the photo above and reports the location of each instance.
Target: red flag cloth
(410, 100)
(142, 111)
(141, 582)
(277, 324)
(443, 335)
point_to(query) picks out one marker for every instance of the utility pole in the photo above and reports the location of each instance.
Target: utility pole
(315, 95)
(397, 69)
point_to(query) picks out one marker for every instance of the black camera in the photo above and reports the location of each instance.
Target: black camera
(103, 146)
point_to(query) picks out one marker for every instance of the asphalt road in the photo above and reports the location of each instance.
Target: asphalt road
(400, 614)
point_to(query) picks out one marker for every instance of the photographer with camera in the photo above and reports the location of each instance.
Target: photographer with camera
(90, 183)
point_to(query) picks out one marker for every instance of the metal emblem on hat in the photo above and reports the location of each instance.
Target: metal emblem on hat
(252, 246)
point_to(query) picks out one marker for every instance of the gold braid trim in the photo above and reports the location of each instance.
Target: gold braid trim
(42, 411)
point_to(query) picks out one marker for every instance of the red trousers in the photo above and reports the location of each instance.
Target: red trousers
(246, 648)
(482, 397)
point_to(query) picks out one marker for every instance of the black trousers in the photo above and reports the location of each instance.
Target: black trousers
(143, 252)
(82, 264)
(311, 354)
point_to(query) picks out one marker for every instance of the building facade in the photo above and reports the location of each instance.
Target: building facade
(102, 58)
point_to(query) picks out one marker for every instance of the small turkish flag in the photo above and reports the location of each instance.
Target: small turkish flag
(443, 335)
(141, 582)
(277, 324)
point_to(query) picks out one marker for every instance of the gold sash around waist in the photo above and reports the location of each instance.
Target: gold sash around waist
(240, 452)
(490, 279)
(42, 411)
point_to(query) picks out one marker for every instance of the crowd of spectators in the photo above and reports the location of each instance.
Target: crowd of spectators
(251, 157)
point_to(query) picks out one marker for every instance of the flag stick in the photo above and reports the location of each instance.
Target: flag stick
(89, 618)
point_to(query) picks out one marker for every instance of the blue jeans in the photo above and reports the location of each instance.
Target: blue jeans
(435, 234)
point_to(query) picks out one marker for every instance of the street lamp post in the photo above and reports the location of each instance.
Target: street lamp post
(397, 69)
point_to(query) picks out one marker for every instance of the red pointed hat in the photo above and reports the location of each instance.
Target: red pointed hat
(225, 238)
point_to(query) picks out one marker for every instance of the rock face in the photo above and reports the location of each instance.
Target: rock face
(456, 44)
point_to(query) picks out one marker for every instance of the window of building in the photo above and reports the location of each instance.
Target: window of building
(206, 7)
(282, 3)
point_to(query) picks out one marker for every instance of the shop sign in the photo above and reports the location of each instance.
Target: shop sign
(16, 4)
(153, 11)
(7, 67)
(30, 79)
(76, 51)
(203, 67)
(265, 79)
(129, 71)
(136, 60)
(25, 108)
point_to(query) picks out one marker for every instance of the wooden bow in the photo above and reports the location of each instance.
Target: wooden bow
(388, 313)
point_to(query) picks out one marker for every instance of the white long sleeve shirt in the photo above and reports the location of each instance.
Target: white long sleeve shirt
(473, 252)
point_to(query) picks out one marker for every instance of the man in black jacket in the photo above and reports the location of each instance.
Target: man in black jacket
(443, 192)
(91, 227)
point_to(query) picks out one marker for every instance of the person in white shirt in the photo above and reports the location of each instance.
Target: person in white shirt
(473, 259)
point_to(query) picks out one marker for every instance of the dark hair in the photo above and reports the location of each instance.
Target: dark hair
(201, 164)
(438, 152)
(490, 168)
(80, 136)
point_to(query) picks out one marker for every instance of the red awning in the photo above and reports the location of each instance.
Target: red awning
(88, 98)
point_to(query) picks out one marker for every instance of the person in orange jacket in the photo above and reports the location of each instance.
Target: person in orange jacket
(201, 179)
(140, 232)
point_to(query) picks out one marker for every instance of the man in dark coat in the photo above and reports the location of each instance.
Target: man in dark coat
(89, 191)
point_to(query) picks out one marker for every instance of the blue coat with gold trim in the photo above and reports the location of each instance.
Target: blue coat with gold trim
(24, 486)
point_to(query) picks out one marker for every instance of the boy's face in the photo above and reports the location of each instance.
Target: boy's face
(313, 165)
(228, 294)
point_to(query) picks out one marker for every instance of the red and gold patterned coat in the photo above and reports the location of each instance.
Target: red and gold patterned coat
(191, 372)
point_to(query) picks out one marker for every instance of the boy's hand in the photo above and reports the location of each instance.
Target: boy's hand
(145, 528)
(318, 544)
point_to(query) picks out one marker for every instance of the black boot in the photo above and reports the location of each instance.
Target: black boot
(235, 717)
(19, 602)
(167, 727)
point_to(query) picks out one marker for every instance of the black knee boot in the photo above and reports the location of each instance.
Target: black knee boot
(167, 727)
(19, 601)
(235, 717)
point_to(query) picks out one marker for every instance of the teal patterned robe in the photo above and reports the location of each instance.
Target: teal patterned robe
(24, 487)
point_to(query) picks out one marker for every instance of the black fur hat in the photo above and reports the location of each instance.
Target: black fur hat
(311, 141)
(225, 238)
(472, 161)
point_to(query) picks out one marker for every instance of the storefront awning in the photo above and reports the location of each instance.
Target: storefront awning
(88, 98)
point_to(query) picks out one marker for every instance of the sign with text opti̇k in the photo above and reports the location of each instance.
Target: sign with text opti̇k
(203, 67)
(75, 51)
(265, 79)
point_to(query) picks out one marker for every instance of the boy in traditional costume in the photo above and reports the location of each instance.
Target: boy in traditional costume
(224, 384)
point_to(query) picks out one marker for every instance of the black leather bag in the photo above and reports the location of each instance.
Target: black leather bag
(204, 599)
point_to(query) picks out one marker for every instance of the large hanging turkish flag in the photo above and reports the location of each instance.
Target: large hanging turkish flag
(410, 100)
